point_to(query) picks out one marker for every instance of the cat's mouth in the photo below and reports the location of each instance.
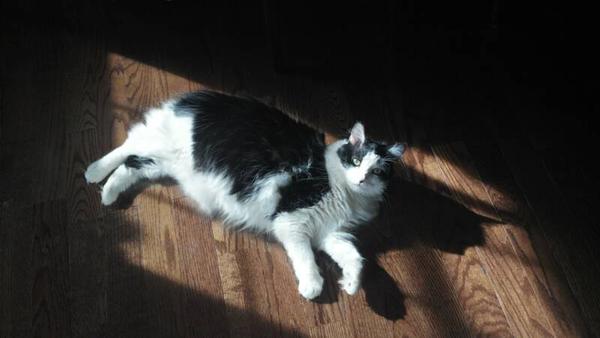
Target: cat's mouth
(362, 186)
(368, 187)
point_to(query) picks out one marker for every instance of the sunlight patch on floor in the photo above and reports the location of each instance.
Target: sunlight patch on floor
(439, 169)
(136, 87)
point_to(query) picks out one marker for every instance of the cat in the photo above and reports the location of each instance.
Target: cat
(258, 169)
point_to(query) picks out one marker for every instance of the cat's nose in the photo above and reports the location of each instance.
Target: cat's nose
(361, 181)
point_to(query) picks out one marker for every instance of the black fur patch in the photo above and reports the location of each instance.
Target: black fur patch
(136, 162)
(385, 164)
(306, 189)
(249, 141)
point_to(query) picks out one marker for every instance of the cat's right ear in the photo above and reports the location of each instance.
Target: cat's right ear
(357, 135)
(397, 149)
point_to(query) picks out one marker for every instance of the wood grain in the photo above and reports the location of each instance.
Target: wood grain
(514, 289)
(467, 276)
(551, 216)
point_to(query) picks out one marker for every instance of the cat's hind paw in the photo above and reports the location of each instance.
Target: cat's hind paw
(311, 287)
(94, 173)
(109, 196)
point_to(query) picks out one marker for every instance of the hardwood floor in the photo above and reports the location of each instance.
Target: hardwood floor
(487, 229)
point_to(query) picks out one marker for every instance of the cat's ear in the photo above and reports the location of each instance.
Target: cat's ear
(397, 149)
(357, 135)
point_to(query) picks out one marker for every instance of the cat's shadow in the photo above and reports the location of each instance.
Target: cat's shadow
(412, 215)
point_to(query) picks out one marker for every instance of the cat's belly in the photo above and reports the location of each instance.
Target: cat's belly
(211, 192)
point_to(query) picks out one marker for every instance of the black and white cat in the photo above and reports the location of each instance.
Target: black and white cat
(257, 169)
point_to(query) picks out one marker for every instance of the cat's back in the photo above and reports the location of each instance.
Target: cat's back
(239, 113)
(223, 118)
(246, 139)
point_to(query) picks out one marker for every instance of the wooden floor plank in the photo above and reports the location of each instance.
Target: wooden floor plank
(36, 271)
(6, 267)
(554, 291)
(466, 274)
(81, 148)
(577, 192)
(515, 288)
(553, 219)
(197, 256)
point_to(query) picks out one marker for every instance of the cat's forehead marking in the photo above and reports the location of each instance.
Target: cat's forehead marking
(369, 159)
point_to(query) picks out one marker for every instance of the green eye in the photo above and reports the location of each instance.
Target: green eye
(377, 171)
(355, 161)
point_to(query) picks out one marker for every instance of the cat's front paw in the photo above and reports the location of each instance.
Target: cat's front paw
(350, 280)
(311, 287)
(94, 173)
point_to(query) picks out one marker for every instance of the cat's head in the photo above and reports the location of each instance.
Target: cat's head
(367, 165)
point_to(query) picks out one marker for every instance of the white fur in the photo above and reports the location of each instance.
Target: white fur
(357, 134)
(166, 137)
(357, 175)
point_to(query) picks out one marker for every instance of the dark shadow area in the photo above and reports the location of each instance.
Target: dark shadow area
(447, 226)
(453, 62)
(454, 67)
(87, 279)
(127, 300)
(126, 198)
(402, 223)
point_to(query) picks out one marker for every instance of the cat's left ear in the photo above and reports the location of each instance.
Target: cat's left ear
(397, 149)
(357, 135)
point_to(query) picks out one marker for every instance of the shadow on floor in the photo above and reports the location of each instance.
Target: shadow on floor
(447, 226)
(113, 295)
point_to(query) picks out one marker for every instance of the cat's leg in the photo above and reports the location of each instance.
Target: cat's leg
(339, 247)
(134, 169)
(139, 142)
(297, 244)
(98, 170)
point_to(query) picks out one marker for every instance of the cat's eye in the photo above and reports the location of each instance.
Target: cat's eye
(377, 171)
(355, 161)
